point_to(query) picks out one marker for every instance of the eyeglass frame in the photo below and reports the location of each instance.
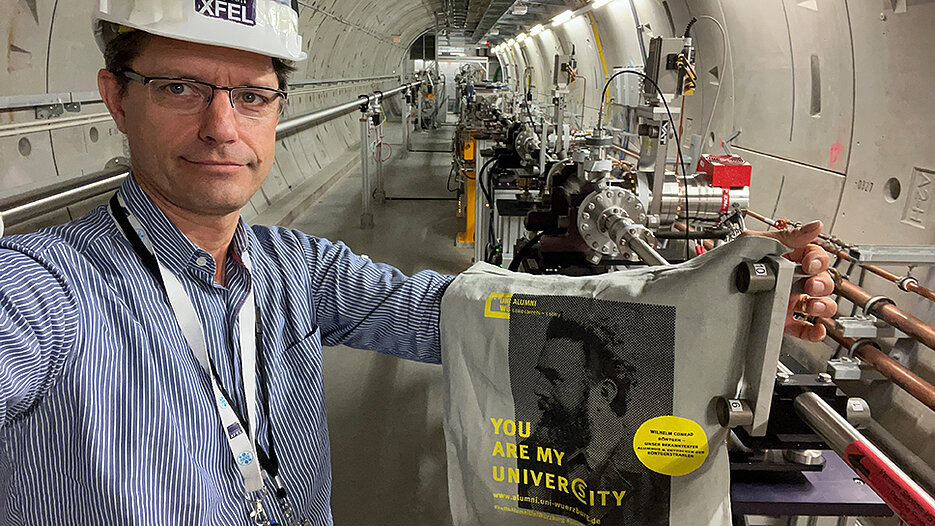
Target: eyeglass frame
(145, 80)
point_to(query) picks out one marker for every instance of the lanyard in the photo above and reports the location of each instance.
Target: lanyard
(251, 460)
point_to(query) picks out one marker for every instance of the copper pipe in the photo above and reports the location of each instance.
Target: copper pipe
(887, 312)
(868, 352)
(625, 151)
(885, 274)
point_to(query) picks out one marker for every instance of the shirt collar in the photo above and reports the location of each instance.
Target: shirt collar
(173, 249)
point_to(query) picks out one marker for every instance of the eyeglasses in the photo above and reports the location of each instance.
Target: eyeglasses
(188, 97)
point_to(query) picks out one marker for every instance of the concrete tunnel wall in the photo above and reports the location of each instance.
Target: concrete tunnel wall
(837, 164)
(51, 54)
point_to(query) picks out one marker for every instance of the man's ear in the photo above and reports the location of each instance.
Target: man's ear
(110, 93)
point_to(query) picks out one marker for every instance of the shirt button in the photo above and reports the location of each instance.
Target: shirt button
(201, 261)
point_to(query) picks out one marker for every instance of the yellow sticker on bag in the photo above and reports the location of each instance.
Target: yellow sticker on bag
(671, 445)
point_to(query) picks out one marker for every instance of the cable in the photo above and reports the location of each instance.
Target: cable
(524, 251)
(678, 141)
(451, 174)
(717, 94)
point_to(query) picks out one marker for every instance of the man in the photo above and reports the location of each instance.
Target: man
(137, 384)
(585, 379)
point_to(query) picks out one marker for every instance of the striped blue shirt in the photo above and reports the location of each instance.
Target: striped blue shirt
(107, 418)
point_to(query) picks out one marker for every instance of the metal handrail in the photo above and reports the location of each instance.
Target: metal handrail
(316, 82)
(22, 207)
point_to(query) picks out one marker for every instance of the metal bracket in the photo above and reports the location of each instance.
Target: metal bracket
(844, 368)
(50, 111)
(866, 326)
(762, 357)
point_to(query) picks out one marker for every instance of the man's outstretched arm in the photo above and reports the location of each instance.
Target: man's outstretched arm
(369, 305)
(38, 324)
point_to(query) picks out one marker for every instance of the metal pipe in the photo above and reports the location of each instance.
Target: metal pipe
(910, 286)
(626, 152)
(407, 142)
(886, 311)
(918, 468)
(339, 81)
(25, 206)
(870, 353)
(900, 492)
(302, 122)
(379, 193)
(366, 216)
(106, 181)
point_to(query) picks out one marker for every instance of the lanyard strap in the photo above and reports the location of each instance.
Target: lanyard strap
(241, 436)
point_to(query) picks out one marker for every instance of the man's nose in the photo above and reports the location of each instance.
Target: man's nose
(219, 120)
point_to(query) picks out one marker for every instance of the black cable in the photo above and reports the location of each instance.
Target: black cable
(451, 174)
(524, 251)
(480, 179)
(678, 142)
(688, 28)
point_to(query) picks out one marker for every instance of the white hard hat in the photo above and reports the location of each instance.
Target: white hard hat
(267, 27)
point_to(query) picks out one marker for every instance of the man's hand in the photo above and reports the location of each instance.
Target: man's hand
(814, 261)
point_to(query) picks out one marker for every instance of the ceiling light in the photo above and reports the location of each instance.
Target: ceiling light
(536, 29)
(598, 3)
(494, 31)
(561, 18)
(519, 8)
(510, 42)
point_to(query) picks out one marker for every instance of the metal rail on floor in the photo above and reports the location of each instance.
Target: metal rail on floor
(21, 207)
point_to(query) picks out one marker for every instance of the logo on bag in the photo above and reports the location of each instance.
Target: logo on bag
(240, 11)
(498, 305)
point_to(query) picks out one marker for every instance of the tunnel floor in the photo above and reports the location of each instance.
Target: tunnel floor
(385, 414)
(411, 235)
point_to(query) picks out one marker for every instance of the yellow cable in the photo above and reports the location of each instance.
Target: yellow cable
(597, 40)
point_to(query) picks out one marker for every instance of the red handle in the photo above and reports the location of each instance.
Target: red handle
(912, 505)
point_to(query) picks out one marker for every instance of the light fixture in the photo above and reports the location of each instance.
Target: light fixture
(536, 29)
(510, 42)
(599, 3)
(561, 18)
(494, 31)
(521, 37)
(520, 8)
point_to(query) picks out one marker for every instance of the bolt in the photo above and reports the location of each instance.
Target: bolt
(630, 198)
(591, 206)
(858, 481)
(642, 217)
(882, 19)
(626, 255)
(824, 378)
(585, 227)
(595, 244)
(610, 194)
(586, 216)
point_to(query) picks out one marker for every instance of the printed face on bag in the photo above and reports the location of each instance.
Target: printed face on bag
(563, 391)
